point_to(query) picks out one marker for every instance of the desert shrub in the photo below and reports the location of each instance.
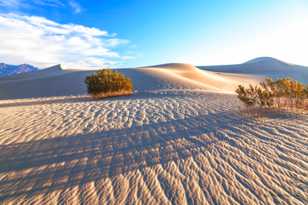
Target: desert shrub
(281, 93)
(306, 92)
(106, 82)
(292, 91)
(255, 96)
(247, 95)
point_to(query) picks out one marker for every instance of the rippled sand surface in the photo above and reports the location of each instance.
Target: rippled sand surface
(163, 147)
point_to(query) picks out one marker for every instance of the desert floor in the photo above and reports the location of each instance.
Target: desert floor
(162, 146)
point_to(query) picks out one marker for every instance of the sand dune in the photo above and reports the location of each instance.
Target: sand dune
(266, 66)
(58, 82)
(192, 77)
(180, 139)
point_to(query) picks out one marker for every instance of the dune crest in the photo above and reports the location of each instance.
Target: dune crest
(266, 67)
(193, 77)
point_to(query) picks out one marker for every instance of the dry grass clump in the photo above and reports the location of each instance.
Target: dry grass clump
(285, 93)
(108, 83)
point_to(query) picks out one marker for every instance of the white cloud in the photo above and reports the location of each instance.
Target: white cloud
(42, 42)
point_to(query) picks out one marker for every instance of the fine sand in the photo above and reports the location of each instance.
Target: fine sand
(180, 139)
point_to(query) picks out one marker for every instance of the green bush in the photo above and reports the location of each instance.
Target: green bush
(106, 83)
(282, 93)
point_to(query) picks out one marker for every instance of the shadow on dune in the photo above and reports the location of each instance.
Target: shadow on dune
(63, 162)
(68, 83)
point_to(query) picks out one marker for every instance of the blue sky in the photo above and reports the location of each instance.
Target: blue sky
(131, 33)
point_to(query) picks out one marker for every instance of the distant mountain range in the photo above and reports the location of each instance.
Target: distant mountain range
(7, 70)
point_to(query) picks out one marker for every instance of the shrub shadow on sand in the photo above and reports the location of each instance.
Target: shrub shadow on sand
(63, 162)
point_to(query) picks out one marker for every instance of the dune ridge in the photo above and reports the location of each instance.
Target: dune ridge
(55, 81)
(266, 67)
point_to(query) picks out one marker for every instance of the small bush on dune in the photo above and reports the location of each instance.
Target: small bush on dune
(306, 97)
(107, 83)
(282, 93)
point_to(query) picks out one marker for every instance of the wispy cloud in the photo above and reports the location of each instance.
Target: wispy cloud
(53, 3)
(22, 4)
(10, 3)
(75, 6)
(42, 42)
(25, 3)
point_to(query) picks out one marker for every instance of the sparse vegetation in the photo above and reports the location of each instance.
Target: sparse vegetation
(107, 83)
(284, 93)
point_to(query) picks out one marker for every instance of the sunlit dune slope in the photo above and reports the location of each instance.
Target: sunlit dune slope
(190, 76)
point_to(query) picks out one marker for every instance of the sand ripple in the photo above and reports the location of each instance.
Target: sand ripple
(163, 147)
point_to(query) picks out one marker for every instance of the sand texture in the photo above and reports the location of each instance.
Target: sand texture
(178, 140)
